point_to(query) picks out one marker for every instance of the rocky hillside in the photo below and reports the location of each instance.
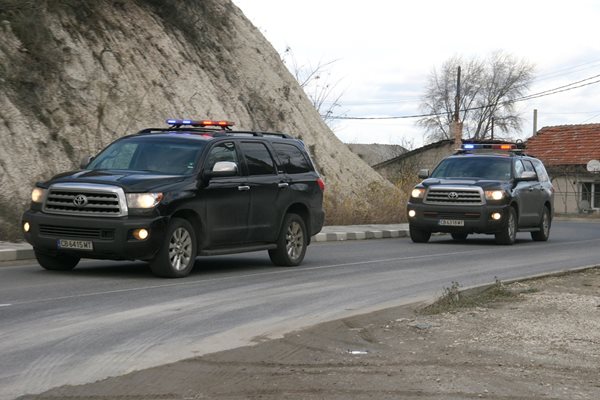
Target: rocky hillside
(75, 75)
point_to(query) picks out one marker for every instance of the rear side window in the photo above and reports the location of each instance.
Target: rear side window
(258, 158)
(292, 159)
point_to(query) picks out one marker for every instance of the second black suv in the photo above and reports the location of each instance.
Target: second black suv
(168, 195)
(488, 188)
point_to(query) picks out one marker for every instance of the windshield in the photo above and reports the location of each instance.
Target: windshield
(492, 168)
(164, 156)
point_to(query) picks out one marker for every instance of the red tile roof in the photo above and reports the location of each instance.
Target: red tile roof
(566, 144)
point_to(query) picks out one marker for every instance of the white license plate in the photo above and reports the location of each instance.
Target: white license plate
(452, 222)
(75, 244)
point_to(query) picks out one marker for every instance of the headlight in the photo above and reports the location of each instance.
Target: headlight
(417, 193)
(494, 194)
(143, 200)
(38, 195)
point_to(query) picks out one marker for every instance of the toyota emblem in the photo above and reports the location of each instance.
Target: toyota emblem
(453, 195)
(80, 201)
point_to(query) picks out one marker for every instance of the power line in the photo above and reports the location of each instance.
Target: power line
(559, 89)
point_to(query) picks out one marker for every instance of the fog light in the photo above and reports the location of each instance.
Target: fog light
(141, 234)
(496, 216)
(412, 213)
(26, 226)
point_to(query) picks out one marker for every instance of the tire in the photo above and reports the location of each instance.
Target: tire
(58, 262)
(508, 234)
(460, 237)
(418, 236)
(292, 242)
(177, 254)
(544, 233)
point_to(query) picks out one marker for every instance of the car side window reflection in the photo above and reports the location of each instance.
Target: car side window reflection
(519, 169)
(258, 159)
(221, 152)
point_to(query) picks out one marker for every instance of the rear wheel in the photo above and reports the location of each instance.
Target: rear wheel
(177, 254)
(544, 233)
(418, 235)
(292, 242)
(461, 237)
(58, 262)
(508, 234)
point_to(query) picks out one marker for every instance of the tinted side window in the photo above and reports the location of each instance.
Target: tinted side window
(528, 166)
(541, 171)
(292, 159)
(221, 152)
(519, 168)
(258, 158)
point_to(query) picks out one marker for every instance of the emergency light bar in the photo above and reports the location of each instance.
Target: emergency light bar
(200, 123)
(479, 146)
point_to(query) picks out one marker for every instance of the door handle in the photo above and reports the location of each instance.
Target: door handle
(283, 185)
(243, 188)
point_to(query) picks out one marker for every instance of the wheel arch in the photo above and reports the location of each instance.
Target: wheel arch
(301, 210)
(548, 205)
(193, 218)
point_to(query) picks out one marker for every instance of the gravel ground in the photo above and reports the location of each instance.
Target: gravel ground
(543, 342)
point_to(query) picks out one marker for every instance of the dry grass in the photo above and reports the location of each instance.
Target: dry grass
(380, 205)
(454, 299)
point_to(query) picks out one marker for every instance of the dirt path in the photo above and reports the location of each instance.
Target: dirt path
(543, 342)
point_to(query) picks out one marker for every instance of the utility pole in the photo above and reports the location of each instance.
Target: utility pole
(456, 126)
(534, 122)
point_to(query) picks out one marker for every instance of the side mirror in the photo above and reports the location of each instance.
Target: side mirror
(85, 161)
(222, 169)
(527, 176)
(423, 173)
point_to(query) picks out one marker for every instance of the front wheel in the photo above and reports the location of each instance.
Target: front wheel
(58, 262)
(177, 254)
(292, 242)
(544, 233)
(418, 235)
(508, 234)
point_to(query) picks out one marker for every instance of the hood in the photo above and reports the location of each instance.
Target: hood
(483, 183)
(130, 181)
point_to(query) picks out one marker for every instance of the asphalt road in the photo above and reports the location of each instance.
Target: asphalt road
(106, 318)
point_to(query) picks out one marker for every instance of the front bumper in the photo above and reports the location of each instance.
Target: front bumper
(475, 219)
(111, 237)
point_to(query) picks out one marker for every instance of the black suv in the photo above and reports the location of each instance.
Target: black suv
(168, 195)
(487, 188)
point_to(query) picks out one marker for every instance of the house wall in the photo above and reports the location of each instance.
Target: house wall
(568, 196)
(409, 165)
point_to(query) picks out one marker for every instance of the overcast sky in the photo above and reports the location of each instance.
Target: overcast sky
(384, 51)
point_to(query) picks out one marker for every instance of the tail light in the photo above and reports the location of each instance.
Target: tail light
(321, 184)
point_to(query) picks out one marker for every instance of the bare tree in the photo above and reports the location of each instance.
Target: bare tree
(316, 81)
(488, 91)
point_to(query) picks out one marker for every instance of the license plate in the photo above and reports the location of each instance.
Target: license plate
(452, 222)
(75, 244)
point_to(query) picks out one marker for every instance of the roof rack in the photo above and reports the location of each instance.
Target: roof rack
(253, 133)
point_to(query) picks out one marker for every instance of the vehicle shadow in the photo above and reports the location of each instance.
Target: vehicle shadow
(204, 266)
(476, 240)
